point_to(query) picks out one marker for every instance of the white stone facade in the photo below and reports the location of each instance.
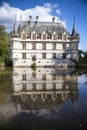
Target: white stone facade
(46, 44)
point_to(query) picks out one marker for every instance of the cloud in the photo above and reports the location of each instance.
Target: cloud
(45, 13)
(58, 11)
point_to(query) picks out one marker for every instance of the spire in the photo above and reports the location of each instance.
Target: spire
(14, 27)
(19, 28)
(74, 28)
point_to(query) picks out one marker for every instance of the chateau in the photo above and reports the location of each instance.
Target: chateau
(42, 43)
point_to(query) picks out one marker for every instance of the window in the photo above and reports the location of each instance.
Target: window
(44, 55)
(24, 77)
(44, 36)
(34, 74)
(24, 46)
(54, 46)
(34, 58)
(54, 86)
(64, 55)
(44, 86)
(44, 46)
(24, 86)
(34, 86)
(44, 77)
(23, 36)
(64, 46)
(54, 55)
(54, 37)
(64, 37)
(33, 46)
(23, 55)
(54, 77)
(34, 36)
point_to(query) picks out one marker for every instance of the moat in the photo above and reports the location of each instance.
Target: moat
(43, 99)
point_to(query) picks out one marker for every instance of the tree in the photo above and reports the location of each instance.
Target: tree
(3, 44)
(85, 57)
(82, 57)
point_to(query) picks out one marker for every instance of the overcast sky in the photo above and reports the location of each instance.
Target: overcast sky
(64, 10)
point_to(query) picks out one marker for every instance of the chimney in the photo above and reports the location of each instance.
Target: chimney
(30, 19)
(37, 17)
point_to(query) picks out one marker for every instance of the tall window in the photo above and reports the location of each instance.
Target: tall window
(34, 86)
(44, 55)
(54, 76)
(24, 77)
(24, 86)
(54, 46)
(54, 55)
(24, 46)
(33, 46)
(44, 86)
(44, 46)
(23, 55)
(44, 77)
(54, 86)
(64, 46)
(64, 55)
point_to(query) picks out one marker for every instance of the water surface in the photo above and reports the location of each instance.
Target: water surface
(42, 99)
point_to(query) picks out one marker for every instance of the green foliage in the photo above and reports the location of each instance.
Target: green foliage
(3, 44)
(82, 57)
(33, 66)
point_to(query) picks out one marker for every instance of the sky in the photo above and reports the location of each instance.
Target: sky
(62, 10)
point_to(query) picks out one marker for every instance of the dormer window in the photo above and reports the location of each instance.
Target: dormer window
(33, 35)
(64, 36)
(23, 35)
(44, 36)
(54, 36)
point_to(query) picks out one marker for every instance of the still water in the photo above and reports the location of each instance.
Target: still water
(43, 99)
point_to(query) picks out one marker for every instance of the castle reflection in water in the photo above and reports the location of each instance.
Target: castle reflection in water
(43, 88)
